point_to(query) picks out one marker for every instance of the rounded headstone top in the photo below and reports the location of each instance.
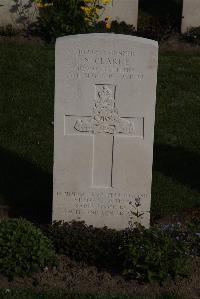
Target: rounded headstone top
(109, 36)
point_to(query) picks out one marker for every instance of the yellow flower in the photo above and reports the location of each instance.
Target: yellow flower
(92, 9)
(105, 2)
(107, 22)
(108, 25)
(86, 10)
(40, 4)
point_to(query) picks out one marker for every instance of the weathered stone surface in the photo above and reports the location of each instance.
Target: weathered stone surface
(191, 14)
(105, 96)
(123, 10)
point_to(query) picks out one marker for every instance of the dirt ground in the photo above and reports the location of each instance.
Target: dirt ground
(174, 43)
(79, 278)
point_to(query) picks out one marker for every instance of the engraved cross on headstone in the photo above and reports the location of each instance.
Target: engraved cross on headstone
(105, 125)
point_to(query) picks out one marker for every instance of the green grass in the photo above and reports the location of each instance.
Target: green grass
(26, 131)
(58, 294)
(176, 171)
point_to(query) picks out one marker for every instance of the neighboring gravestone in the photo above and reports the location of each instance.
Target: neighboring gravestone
(191, 14)
(105, 95)
(122, 10)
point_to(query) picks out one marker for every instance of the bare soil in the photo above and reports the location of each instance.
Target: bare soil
(174, 43)
(79, 278)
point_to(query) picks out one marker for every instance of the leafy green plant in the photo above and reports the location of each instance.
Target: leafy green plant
(151, 32)
(154, 254)
(138, 253)
(59, 18)
(88, 244)
(23, 248)
(115, 27)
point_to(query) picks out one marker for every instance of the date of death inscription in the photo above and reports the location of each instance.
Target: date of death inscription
(102, 203)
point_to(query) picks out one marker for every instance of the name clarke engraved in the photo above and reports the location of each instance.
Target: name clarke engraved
(102, 64)
(101, 203)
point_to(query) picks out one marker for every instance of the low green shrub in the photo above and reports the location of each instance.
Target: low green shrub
(139, 253)
(87, 244)
(23, 248)
(151, 32)
(115, 27)
(59, 18)
(155, 254)
(192, 36)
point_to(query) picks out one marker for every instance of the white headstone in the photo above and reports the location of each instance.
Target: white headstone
(122, 10)
(105, 95)
(191, 14)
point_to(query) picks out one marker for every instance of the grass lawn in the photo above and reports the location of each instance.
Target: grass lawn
(26, 131)
(28, 294)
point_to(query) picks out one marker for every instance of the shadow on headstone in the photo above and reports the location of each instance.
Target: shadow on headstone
(26, 189)
(178, 163)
